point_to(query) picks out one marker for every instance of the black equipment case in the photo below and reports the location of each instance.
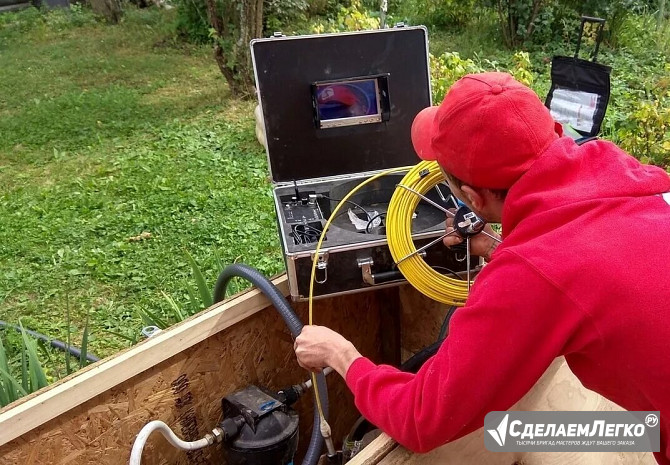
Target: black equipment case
(337, 109)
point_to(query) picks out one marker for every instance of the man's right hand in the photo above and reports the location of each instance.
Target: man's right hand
(480, 244)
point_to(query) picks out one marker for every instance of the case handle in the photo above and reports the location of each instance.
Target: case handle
(375, 279)
(599, 38)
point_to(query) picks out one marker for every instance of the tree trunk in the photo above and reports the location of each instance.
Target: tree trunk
(661, 14)
(109, 9)
(531, 23)
(231, 49)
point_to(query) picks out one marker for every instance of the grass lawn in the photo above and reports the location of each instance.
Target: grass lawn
(108, 132)
(121, 151)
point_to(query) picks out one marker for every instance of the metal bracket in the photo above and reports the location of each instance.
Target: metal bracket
(365, 264)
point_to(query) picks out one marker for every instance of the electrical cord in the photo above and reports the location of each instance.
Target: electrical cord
(444, 329)
(421, 178)
(55, 343)
(411, 365)
(305, 234)
(367, 226)
(348, 201)
(446, 270)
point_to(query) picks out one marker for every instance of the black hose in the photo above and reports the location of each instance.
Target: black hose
(444, 330)
(55, 343)
(294, 325)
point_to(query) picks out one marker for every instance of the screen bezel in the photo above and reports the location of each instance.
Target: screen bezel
(381, 94)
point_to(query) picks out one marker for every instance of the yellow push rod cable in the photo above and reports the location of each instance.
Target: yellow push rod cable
(316, 259)
(420, 178)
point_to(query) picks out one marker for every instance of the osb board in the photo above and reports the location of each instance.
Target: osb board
(420, 321)
(185, 390)
(558, 389)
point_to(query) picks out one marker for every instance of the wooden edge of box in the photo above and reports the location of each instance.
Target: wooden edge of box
(46, 404)
(374, 452)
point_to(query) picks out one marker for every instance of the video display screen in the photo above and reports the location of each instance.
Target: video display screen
(347, 103)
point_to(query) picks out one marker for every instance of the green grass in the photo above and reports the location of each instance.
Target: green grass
(107, 132)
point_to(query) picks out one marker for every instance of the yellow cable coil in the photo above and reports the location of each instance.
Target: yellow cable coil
(421, 178)
(399, 235)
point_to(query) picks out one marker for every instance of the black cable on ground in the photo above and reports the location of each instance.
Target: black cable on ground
(55, 343)
(295, 326)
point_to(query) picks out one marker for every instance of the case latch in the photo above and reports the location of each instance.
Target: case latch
(365, 264)
(321, 265)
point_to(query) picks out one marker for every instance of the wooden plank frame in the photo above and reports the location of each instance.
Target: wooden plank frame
(34, 410)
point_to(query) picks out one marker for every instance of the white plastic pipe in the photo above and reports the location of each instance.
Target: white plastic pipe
(143, 435)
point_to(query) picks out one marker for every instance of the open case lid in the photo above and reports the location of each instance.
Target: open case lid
(336, 104)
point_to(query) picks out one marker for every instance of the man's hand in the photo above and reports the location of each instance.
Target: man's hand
(480, 245)
(318, 347)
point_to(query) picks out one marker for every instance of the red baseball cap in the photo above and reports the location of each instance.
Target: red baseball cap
(487, 132)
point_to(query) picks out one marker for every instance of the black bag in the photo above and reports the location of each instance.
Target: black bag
(580, 89)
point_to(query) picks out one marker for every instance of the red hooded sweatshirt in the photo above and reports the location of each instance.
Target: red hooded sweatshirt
(583, 272)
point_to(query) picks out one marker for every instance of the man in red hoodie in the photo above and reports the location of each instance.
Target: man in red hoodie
(583, 271)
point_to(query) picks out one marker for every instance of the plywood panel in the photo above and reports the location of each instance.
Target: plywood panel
(185, 390)
(420, 321)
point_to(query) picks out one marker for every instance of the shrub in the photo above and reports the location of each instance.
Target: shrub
(447, 69)
(352, 18)
(645, 132)
(436, 13)
(450, 67)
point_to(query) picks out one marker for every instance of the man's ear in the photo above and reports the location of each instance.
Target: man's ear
(474, 198)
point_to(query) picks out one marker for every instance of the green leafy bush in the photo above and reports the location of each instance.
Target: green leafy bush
(436, 13)
(447, 69)
(280, 13)
(645, 132)
(191, 23)
(538, 22)
(450, 67)
(37, 21)
(354, 17)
